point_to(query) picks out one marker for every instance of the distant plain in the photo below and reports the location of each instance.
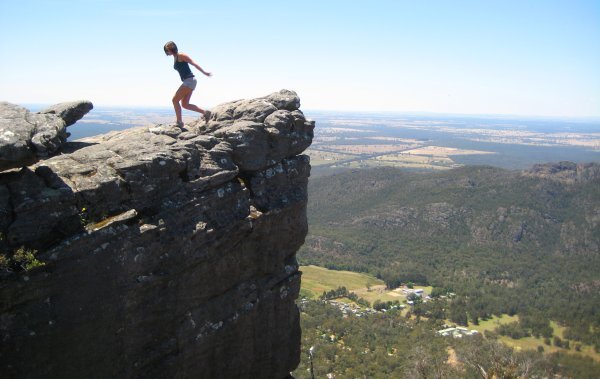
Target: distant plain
(413, 141)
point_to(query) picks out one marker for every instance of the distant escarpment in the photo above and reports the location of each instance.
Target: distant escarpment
(476, 206)
(371, 220)
(155, 251)
(566, 172)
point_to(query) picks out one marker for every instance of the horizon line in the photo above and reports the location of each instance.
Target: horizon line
(593, 118)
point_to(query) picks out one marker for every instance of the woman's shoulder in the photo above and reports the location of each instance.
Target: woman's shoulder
(183, 57)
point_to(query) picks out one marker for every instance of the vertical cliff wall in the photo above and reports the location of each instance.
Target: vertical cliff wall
(162, 252)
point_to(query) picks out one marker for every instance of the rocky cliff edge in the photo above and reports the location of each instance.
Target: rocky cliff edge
(157, 251)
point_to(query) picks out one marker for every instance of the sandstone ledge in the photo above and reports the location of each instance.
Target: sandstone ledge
(182, 263)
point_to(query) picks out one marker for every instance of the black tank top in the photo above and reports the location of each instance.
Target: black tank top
(183, 68)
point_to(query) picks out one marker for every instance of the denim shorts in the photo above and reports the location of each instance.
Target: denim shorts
(190, 82)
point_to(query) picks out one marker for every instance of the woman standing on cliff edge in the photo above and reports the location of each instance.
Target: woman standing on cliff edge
(184, 93)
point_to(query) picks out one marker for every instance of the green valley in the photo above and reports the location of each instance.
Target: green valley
(512, 254)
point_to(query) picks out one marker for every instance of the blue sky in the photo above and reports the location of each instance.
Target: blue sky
(481, 57)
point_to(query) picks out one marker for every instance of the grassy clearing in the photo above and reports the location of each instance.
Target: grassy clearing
(493, 323)
(378, 293)
(441, 151)
(416, 159)
(532, 343)
(318, 157)
(316, 279)
(381, 163)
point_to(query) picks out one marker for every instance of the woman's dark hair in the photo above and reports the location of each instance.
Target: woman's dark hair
(170, 46)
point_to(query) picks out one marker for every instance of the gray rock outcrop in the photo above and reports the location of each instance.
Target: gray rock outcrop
(70, 112)
(565, 172)
(161, 252)
(26, 137)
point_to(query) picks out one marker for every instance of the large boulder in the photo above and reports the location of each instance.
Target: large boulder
(26, 137)
(70, 112)
(263, 131)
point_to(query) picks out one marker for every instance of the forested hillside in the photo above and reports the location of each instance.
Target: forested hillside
(510, 242)
(389, 345)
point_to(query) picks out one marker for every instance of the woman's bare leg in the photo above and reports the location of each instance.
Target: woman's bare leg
(186, 104)
(181, 93)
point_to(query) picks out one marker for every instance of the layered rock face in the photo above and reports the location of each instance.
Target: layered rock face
(165, 252)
